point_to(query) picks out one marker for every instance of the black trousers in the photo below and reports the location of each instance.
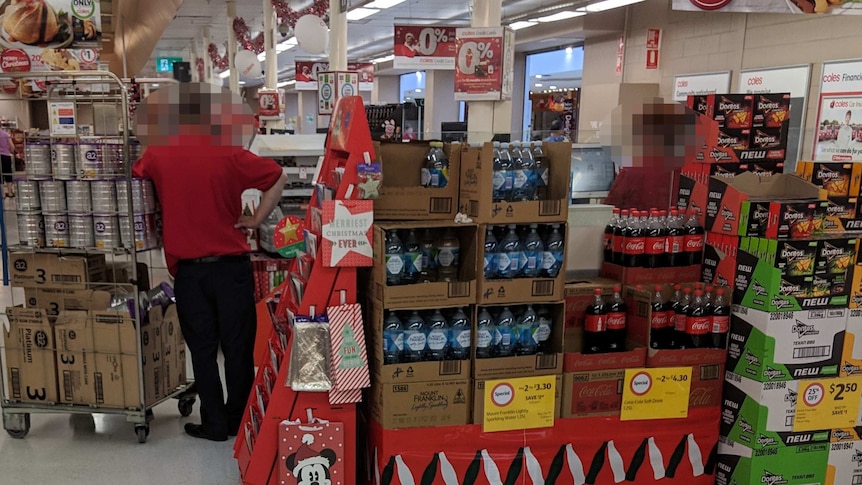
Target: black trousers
(215, 302)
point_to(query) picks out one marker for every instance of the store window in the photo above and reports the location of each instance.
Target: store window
(552, 94)
(412, 89)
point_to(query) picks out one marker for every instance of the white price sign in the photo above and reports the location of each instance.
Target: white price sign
(700, 84)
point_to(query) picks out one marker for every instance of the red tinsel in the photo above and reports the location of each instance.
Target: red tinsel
(220, 62)
(199, 65)
(289, 16)
(243, 36)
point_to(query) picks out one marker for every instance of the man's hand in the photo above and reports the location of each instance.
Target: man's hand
(247, 224)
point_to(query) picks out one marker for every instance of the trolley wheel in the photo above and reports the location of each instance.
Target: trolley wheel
(186, 406)
(142, 430)
(19, 429)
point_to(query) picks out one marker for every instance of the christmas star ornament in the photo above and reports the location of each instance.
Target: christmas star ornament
(347, 233)
(289, 236)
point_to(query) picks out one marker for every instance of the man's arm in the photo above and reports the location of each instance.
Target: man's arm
(268, 202)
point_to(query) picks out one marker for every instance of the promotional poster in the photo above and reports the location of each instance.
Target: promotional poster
(424, 47)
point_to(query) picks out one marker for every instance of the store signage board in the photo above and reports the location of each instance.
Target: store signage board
(839, 113)
(484, 64)
(424, 47)
(687, 85)
(658, 393)
(307, 73)
(166, 64)
(518, 404)
(347, 233)
(828, 404)
(270, 106)
(813, 7)
(62, 116)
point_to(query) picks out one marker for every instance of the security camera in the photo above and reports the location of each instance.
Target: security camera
(284, 29)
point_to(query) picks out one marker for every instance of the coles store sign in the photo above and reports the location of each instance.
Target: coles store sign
(710, 4)
(14, 60)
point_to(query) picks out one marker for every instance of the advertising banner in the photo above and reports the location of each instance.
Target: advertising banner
(687, 85)
(50, 35)
(483, 68)
(424, 47)
(308, 71)
(269, 107)
(839, 113)
(822, 7)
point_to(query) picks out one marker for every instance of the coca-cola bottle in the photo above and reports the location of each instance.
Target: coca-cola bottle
(694, 239)
(707, 298)
(680, 320)
(595, 325)
(635, 241)
(620, 235)
(658, 320)
(720, 323)
(676, 255)
(654, 255)
(697, 325)
(674, 307)
(609, 236)
(616, 322)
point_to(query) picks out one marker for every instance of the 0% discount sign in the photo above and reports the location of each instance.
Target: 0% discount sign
(659, 393)
(828, 404)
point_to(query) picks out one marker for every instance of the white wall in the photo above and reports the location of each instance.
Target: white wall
(13, 108)
(386, 90)
(440, 104)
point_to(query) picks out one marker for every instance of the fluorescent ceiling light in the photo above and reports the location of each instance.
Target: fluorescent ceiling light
(241, 83)
(522, 24)
(361, 13)
(609, 4)
(568, 50)
(566, 14)
(155, 85)
(538, 85)
(382, 4)
(538, 76)
(286, 83)
(262, 56)
(224, 74)
(383, 59)
(286, 45)
(553, 87)
(418, 90)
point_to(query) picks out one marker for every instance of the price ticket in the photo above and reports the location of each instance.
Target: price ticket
(828, 404)
(514, 404)
(659, 393)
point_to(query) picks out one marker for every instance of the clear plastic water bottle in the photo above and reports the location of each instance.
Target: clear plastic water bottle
(528, 324)
(435, 172)
(490, 265)
(534, 253)
(525, 177)
(509, 255)
(394, 259)
(554, 252)
(541, 171)
(428, 272)
(414, 338)
(544, 327)
(504, 176)
(437, 340)
(393, 339)
(412, 259)
(508, 333)
(448, 256)
(486, 335)
(459, 336)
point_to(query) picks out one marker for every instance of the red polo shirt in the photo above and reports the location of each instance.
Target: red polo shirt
(200, 190)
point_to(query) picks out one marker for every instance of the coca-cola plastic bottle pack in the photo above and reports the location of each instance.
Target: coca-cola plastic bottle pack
(595, 325)
(616, 322)
(697, 324)
(659, 320)
(656, 240)
(609, 236)
(695, 237)
(635, 241)
(653, 239)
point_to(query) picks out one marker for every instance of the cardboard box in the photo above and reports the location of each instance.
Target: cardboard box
(434, 371)
(547, 363)
(692, 195)
(645, 276)
(795, 465)
(579, 295)
(151, 360)
(44, 270)
(520, 290)
(783, 346)
(729, 110)
(29, 357)
(175, 358)
(402, 196)
(851, 357)
(838, 179)
(55, 301)
(477, 184)
(75, 361)
(117, 363)
(771, 110)
(479, 399)
(421, 404)
(436, 294)
(844, 464)
(719, 259)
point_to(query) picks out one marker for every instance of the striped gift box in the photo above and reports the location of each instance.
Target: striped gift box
(349, 357)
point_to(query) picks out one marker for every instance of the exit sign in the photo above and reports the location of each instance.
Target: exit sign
(166, 64)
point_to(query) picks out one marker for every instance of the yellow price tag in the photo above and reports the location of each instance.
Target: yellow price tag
(660, 393)
(828, 404)
(525, 403)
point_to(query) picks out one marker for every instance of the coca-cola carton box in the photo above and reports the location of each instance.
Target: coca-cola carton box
(538, 289)
(479, 399)
(796, 465)
(851, 357)
(782, 346)
(592, 383)
(477, 188)
(844, 464)
(644, 276)
(579, 295)
(771, 110)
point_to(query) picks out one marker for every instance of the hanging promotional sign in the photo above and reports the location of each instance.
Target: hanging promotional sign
(347, 233)
(839, 114)
(334, 85)
(424, 47)
(687, 85)
(307, 73)
(820, 7)
(484, 64)
(270, 106)
(50, 35)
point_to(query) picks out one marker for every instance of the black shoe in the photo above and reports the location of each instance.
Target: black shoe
(197, 431)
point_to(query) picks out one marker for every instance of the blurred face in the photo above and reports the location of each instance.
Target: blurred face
(409, 39)
(654, 135)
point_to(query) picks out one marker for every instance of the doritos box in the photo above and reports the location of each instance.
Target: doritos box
(692, 196)
(733, 139)
(838, 179)
(766, 168)
(733, 111)
(769, 139)
(771, 110)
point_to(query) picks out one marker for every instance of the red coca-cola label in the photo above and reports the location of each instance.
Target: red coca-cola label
(654, 245)
(659, 320)
(619, 244)
(14, 60)
(616, 321)
(634, 245)
(675, 244)
(720, 323)
(595, 323)
(679, 322)
(694, 243)
(697, 325)
(609, 241)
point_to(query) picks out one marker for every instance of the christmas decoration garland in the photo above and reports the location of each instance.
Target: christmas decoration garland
(243, 36)
(220, 62)
(289, 16)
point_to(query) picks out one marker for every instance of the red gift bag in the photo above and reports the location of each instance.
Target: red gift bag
(311, 452)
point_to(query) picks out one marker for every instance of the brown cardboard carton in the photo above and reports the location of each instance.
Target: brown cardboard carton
(174, 359)
(56, 300)
(643, 276)
(402, 196)
(547, 363)
(428, 295)
(519, 290)
(116, 375)
(421, 404)
(441, 371)
(43, 270)
(74, 336)
(579, 295)
(477, 185)
(121, 273)
(479, 399)
(29, 357)
(151, 342)
(593, 393)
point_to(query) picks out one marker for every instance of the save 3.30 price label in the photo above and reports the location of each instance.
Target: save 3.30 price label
(828, 403)
(515, 404)
(660, 393)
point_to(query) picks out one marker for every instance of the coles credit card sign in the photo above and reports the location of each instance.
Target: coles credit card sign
(659, 393)
(424, 47)
(484, 64)
(828, 404)
(515, 404)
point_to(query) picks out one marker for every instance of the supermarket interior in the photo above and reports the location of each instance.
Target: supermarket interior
(448, 242)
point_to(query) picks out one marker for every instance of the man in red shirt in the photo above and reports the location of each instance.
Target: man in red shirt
(200, 178)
